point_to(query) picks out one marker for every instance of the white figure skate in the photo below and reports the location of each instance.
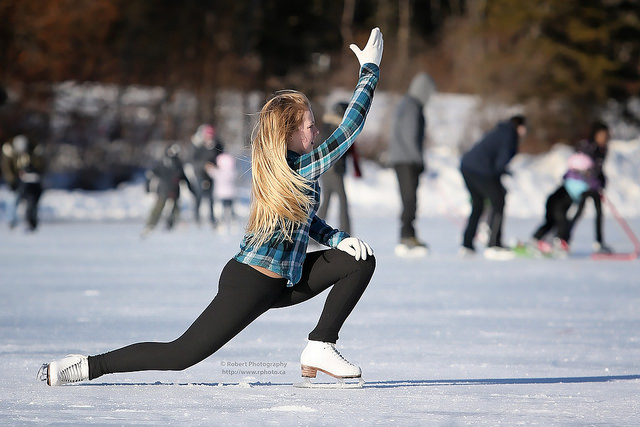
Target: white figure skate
(323, 357)
(70, 369)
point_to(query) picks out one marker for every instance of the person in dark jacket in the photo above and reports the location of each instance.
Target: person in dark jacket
(596, 147)
(406, 156)
(206, 148)
(22, 168)
(164, 180)
(333, 179)
(482, 167)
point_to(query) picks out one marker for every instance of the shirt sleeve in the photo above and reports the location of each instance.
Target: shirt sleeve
(324, 234)
(315, 163)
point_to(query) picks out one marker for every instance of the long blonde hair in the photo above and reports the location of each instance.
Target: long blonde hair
(280, 198)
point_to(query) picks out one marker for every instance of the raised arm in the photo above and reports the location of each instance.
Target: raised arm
(314, 164)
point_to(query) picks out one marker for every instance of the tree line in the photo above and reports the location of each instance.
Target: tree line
(562, 59)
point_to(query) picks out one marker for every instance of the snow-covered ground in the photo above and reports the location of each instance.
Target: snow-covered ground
(441, 340)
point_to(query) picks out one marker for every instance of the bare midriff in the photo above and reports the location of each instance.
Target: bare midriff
(267, 272)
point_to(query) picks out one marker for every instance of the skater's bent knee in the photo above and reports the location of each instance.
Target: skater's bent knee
(367, 265)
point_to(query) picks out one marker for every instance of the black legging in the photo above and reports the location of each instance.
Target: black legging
(408, 180)
(557, 206)
(597, 204)
(30, 192)
(480, 188)
(243, 295)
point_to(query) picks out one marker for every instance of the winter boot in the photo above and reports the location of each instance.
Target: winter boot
(498, 253)
(466, 252)
(560, 248)
(411, 246)
(70, 369)
(543, 246)
(601, 248)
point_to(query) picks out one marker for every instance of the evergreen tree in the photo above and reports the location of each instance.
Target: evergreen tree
(568, 57)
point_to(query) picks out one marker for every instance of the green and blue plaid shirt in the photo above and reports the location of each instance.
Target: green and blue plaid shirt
(285, 257)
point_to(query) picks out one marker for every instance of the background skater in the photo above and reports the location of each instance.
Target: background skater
(596, 147)
(333, 179)
(205, 150)
(578, 180)
(482, 168)
(224, 175)
(164, 180)
(406, 156)
(23, 165)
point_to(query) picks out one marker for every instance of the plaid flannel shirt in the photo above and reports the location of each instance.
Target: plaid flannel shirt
(287, 257)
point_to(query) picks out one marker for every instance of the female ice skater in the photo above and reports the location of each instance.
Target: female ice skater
(272, 268)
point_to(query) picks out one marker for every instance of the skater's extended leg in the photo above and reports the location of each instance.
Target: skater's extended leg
(243, 295)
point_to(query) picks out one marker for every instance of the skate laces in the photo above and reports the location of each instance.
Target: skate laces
(337, 354)
(72, 373)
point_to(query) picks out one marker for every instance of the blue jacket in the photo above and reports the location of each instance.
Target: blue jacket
(284, 257)
(490, 155)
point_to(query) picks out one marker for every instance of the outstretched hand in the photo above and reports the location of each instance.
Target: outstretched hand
(372, 52)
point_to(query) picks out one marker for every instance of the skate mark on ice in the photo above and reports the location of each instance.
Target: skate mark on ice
(499, 381)
(387, 384)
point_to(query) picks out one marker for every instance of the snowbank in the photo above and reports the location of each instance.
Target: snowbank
(441, 193)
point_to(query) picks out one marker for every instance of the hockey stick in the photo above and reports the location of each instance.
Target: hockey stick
(625, 226)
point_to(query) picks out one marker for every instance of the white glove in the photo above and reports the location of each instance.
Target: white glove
(372, 52)
(356, 248)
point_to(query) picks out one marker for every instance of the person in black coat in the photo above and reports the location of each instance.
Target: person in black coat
(482, 167)
(164, 179)
(596, 147)
(23, 165)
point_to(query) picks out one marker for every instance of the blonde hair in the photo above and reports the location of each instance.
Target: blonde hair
(280, 198)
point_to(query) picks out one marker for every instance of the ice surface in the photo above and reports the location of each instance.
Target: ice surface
(441, 340)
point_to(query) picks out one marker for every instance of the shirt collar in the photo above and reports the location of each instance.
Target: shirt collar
(292, 156)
